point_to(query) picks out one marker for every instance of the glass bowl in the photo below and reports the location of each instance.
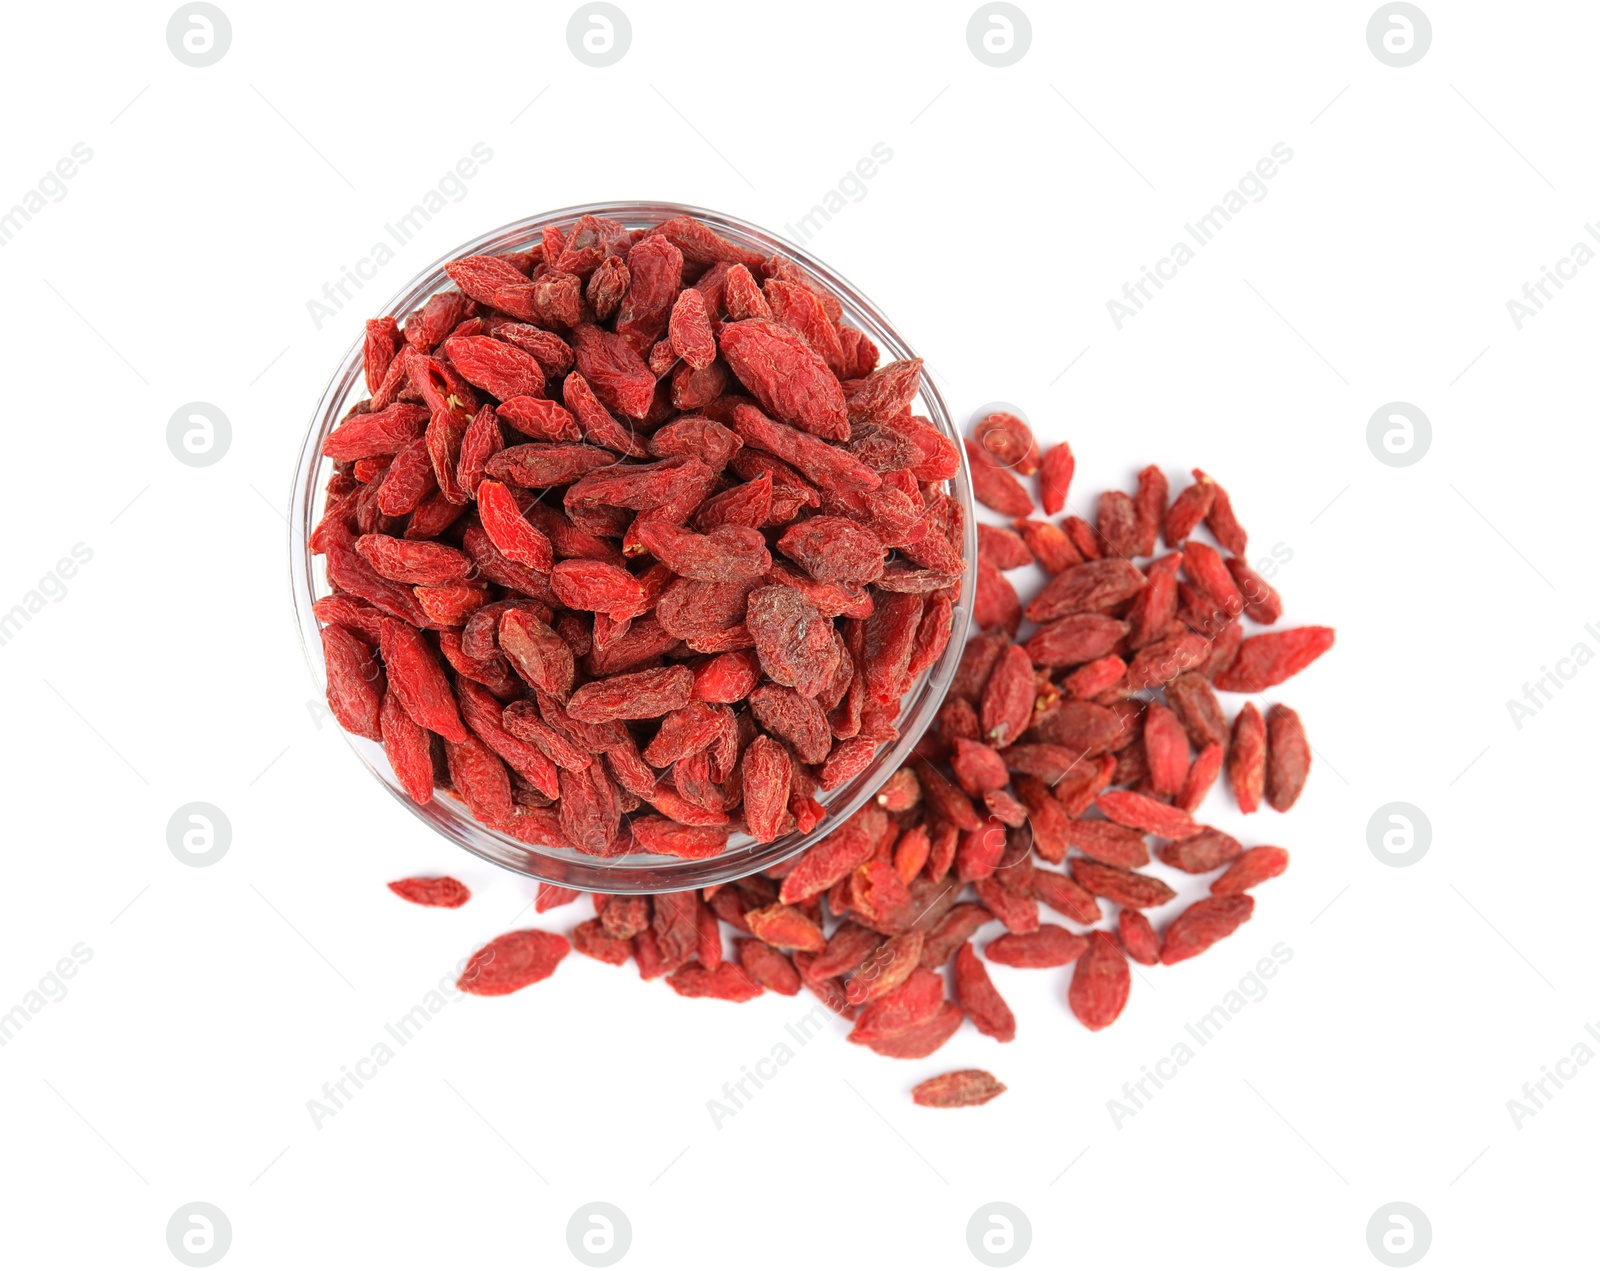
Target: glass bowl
(637, 872)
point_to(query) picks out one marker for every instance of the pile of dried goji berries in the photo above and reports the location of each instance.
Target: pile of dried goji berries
(1074, 747)
(634, 544)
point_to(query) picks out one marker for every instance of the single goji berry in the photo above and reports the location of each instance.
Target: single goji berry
(442, 893)
(965, 1088)
(511, 962)
(1100, 982)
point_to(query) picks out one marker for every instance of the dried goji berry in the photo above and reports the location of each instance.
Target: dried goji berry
(511, 962)
(727, 982)
(1202, 776)
(1202, 924)
(913, 1004)
(1138, 937)
(1008, 442)
(1100, 982)
(1049, 946)
(1121, 886)
(1200, 853)
(994, 486)
(1267, 660)
(1261, 602)
(1166, 750)
(965, 1088)
(920, 1042)
(1253, 865)
(1008, 697)
(1187, 511)
(1247, 758)
(442, 893)
(1150, 816)
(1093, 586)
(1288, 757)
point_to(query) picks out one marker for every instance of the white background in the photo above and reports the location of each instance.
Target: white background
(217, 1001)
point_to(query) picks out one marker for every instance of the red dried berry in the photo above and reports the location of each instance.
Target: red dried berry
(1247, 758)
(994, 486)
(966, 1088)
(1120, 886)
(1150, 816)
(767, 967)
(1138, 937)
(1267, 660)
(1202, 924)
(1261, 603)
(1055, 479)
(1187, 511)
(1253, 865)
(355, 681)
(1007, 442)
(978, 997)
(1100, 982)
(1091, 587)
(1200, 853)
(786, 376)
(1288, 757)
(440, 893)
(1049, 946)
(418, 681)
(727, 982)
(511, 962)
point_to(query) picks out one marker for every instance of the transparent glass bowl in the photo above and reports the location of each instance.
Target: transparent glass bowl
(564, 866)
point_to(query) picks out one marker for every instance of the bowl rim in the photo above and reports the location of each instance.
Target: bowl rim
(634, 873)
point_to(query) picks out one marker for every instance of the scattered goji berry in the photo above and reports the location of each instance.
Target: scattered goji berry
(1100, 982)
(1202, 924)
(1139, 938)
(654, 554)
(1247, 758)
(441, 893)
(512, 961)
(1055, 479)
(1253, 865)
(1267, 660)
(1048, 946)
(965, 1088)
(1288, 757)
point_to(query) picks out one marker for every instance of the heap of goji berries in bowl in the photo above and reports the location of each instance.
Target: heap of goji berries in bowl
(1052, 765)
(636, 550)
